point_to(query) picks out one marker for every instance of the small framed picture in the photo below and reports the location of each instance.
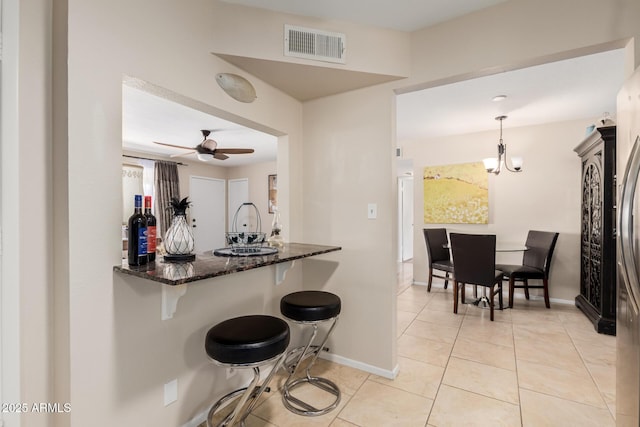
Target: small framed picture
(273, 193)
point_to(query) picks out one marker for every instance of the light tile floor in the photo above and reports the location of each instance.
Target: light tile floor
(532, 366)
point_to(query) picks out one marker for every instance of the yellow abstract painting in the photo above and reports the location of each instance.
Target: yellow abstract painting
(456, 194)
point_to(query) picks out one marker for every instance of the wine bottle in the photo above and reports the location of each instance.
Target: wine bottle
(137, 234)
(151, 230)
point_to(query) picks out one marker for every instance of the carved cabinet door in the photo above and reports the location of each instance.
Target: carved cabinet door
(597, 297)
(591, 235)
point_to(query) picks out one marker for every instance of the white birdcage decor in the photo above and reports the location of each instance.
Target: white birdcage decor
(179, 237)
(178, 240)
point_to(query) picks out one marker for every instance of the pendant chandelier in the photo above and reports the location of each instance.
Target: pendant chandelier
(494, 165)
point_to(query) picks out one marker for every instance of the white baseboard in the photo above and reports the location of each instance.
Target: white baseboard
(518, 295)
(385, 373)
(197, 420)
(435, 285)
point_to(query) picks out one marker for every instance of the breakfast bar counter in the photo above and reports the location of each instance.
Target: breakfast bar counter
(208, 265)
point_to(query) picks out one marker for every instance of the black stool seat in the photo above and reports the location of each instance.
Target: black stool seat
(310, 306)
(247, 339)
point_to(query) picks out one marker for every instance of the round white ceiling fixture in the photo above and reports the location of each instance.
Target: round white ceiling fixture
(236, 87)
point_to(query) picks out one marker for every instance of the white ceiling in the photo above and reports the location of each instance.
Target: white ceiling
(578, 88)
(148, 117)
(583, 87)
(402, 15)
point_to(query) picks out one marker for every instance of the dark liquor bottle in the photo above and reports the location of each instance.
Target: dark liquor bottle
(151, 230)
(137, 234)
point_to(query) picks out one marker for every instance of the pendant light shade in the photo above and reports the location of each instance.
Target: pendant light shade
(494, 164)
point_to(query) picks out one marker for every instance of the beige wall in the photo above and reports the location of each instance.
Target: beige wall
(347, 165)
(119, 352)
(372, 50)
(520, 33)
(546, 196)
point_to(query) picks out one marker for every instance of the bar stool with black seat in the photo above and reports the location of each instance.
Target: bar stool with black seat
(246, 342)
(309, 308)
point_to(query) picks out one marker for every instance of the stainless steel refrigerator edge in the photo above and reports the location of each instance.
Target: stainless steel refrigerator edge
(628, 254)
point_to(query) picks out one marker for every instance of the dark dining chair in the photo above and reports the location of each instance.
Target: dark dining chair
(536, 263)
(474, 262)
(438, 253)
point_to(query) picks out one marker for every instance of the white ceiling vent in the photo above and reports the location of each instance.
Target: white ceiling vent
(315, 44)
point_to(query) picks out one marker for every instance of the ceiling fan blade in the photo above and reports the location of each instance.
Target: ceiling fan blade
(220, 156)
(174, 146)
(235, 150)
(183, 154)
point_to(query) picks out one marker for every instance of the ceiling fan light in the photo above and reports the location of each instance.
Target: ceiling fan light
(204, 157)
(236, 87)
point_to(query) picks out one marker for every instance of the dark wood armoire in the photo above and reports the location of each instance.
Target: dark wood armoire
(597, 298)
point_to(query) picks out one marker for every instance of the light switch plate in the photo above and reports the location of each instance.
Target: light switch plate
(372, 211)
(170, 392)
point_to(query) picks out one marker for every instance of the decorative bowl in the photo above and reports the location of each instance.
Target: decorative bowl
(245, 241)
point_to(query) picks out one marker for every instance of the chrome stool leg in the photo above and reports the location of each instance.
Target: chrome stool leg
(250, 394)
(291, 402)
(252, 341)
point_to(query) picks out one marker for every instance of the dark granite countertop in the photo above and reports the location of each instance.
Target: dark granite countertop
(208, 265)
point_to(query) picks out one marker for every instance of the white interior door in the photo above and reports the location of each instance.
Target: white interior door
(405, 215)
(238, 194)
(207, 213)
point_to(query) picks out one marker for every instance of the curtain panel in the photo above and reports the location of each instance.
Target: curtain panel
(166, 187)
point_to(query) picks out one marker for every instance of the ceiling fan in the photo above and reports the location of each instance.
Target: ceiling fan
(208, 147)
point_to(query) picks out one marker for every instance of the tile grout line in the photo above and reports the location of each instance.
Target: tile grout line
(513, 321)
(515, 355)
(586, 367)
(435, 398)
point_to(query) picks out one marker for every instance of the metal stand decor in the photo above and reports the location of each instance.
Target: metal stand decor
(248, 242)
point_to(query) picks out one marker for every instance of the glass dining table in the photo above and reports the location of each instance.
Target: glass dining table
(502, 247)
(483, 300)
(511, 247)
